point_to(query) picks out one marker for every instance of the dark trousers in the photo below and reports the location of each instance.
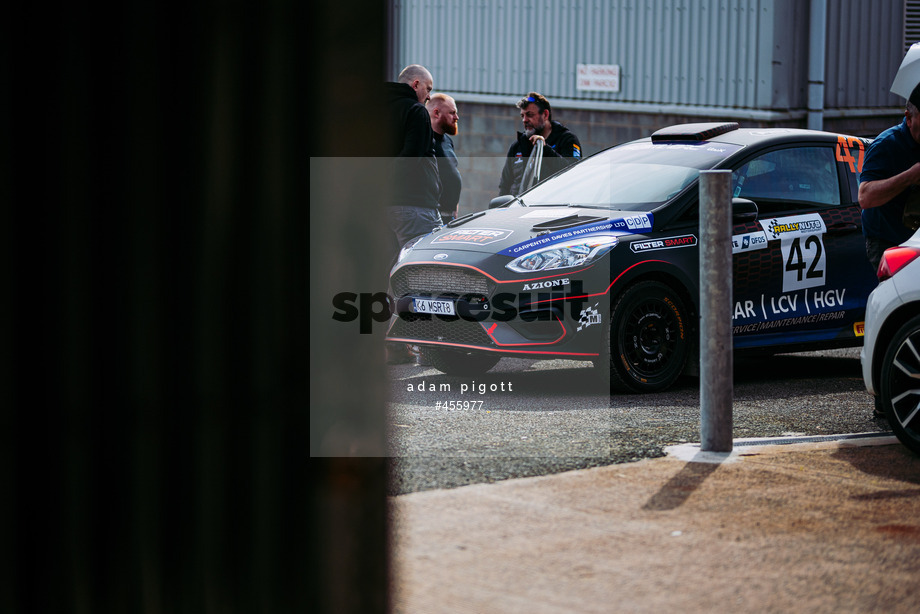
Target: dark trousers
(875, 247)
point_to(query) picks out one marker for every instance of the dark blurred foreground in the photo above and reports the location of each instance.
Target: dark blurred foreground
(154, 438)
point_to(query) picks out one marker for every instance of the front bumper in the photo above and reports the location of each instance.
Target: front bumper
(491, 317)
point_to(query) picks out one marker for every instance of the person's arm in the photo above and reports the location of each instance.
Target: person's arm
(876, 193)
(567, 147)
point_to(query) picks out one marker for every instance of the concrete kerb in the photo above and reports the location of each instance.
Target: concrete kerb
(691, 452)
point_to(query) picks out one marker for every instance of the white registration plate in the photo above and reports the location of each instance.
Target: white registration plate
(434, 306)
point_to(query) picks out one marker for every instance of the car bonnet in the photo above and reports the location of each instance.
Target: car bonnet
(518, 230)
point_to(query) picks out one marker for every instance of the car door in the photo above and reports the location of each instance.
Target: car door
(800, 271)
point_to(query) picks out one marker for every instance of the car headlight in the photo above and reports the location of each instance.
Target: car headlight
(578, 252)
(408, 248)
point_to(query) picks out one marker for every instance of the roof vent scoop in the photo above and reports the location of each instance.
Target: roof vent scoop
(693, 132)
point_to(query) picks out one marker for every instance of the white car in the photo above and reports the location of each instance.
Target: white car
(891, 351)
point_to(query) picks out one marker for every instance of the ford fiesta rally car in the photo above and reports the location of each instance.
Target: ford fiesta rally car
(600, 262)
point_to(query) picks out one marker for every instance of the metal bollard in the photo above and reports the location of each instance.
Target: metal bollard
(716, 388)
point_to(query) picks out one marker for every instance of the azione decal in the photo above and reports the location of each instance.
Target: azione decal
(478, 236)
(550, 283)
(613, 228)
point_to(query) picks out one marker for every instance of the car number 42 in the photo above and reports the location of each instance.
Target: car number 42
(805, 264)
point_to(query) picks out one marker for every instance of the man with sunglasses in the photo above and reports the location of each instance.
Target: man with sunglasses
(561, 146)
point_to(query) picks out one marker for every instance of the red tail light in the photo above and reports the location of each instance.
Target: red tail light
(894, 259)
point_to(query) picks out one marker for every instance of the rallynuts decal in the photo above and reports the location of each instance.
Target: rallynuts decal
(801, 240)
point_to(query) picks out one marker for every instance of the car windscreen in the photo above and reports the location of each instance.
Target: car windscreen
(632, 177)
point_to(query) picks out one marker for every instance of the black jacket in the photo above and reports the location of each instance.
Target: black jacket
(415, 169)
(562, 149)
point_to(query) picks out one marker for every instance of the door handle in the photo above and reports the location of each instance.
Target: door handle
(842, 229)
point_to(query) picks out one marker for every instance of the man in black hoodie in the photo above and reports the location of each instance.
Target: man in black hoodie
(412, 208)
(561, 146)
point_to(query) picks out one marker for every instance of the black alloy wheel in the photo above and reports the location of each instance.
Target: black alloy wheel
(648, 339)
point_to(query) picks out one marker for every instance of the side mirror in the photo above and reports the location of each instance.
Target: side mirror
(744, 210)
(500, 201)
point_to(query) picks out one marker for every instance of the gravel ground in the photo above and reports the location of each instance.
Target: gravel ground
(556, 416)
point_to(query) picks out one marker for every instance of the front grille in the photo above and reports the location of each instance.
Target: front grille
(437, 280)
(433, 328)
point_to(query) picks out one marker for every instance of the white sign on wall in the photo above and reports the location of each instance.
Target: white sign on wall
(597, 77)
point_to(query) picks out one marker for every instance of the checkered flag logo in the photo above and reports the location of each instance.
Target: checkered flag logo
(588, 316)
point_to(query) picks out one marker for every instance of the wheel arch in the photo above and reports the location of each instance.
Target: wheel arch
(892, 324)
(669, 275)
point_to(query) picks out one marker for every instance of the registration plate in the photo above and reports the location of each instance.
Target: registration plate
(434, 306)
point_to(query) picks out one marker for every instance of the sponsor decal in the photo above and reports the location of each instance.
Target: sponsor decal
(800, 225)
(859, 329)
(792, 309)
(749, 241)
(576, 151)
(790, 321)
(639, 222)
(478, 236)
(719, 148)
(588, 317)
(549, 283)
(666, 243)
(440, 256)
(611, 228)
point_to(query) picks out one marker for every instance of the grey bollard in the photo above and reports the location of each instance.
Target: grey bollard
(715, 312)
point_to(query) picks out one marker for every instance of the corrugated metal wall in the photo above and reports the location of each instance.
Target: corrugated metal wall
(864, 50)
(748, 54)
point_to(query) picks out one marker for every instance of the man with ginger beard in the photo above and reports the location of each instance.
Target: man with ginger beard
(444, 119)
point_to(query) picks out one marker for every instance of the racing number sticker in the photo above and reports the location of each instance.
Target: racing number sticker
(804, 262)
(844, 144)
(802, 244)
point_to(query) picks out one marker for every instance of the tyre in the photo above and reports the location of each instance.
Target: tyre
(648, 339)
(899, 388)
(457, 362)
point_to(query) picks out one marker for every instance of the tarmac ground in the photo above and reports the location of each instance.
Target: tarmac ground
(816, 526)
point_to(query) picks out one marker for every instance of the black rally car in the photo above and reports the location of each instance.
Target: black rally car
(600, 262)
